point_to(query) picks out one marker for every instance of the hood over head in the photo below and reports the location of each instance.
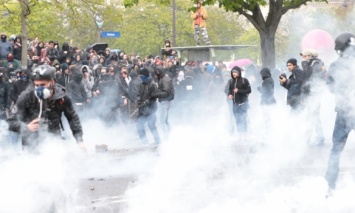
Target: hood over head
(86, 67)
(65, 46)
(77, 75)
(64, 66)
(265, 72)
(236, 69)
(159, 71)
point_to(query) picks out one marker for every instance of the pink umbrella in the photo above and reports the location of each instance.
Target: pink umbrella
(321, 41)
(240, 63)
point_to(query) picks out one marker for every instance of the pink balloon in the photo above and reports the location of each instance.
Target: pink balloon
(319, 40)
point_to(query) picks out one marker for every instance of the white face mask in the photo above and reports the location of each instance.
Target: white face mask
(42, 92)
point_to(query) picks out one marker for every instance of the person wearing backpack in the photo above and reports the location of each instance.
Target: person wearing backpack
(238, 90)
(165, 95)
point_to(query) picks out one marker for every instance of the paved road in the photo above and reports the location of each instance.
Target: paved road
(106, 193)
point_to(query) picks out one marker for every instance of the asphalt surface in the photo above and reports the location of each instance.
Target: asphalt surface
(106, 193)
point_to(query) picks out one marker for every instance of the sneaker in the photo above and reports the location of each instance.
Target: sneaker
(330, 193)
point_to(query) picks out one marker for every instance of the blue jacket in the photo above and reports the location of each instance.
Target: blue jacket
(5, 48)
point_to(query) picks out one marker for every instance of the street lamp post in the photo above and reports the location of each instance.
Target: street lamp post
(99, 22)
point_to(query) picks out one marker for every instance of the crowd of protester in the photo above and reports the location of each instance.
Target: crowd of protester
(105, 84)
(122, 88)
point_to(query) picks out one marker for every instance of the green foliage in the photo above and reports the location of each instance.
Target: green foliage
(249, 37)
(153, 24)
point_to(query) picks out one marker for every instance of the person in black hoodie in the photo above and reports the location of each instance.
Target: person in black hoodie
(293, 85)
(65, 53)
(66, 76)
(17, 48)
(77, 92)
(238, 90)
(165, 95)
(267, 98)
(39, 108)
(111, 98)
(4, 95)
(267, 88)
(147, 107)
(133, 89)
(20, 85)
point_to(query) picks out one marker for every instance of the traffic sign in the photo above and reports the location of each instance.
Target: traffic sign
(110, 34)
(98, 20)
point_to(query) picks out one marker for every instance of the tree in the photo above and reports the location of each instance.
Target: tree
(253, 11)
(152, 25)
(46, 18)
(265, 25)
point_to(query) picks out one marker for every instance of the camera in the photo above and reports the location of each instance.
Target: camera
(283, 75)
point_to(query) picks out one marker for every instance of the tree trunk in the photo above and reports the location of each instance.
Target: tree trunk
(24, 14)
(267, 40)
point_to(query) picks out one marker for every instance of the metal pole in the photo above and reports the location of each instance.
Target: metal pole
(173, 8)
(98, 35)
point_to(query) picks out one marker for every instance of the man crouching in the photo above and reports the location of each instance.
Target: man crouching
(39, 109)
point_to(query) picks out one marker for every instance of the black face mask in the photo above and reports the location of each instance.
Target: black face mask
(3, 38)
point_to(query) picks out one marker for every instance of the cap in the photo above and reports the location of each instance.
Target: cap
(310, 52)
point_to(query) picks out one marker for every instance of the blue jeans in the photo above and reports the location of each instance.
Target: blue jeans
(240, 115)
(343, 125)
(164, 107)
(150, 119)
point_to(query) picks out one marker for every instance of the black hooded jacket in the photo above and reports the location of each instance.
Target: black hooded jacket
(77, 91)
(65, 53)
(18, 50)
(147, 102)
(165, 85)
(66, 78)
(267, 88)
(18, 87)
(134, 84)
(27, 109)
(4, 95)
(243, 86)
(313, 73)
(111, 92)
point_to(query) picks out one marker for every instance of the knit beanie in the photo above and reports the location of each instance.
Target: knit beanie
(292, 61)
